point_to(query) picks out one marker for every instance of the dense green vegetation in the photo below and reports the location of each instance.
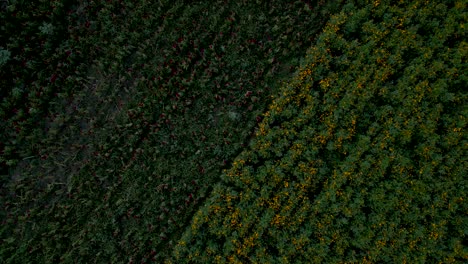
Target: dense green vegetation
(185, 131)
(363, 157)
(119, 116)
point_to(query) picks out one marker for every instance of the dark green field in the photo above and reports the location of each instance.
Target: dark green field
(233, 131)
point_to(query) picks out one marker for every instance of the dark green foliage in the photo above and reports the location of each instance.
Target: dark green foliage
(362, 158)
(117, 117)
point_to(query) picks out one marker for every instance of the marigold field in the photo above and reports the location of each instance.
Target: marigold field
(233, 131)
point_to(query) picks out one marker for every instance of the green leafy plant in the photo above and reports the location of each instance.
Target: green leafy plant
(4, 56)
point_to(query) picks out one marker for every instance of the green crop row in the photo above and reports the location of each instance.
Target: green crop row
(362, 158)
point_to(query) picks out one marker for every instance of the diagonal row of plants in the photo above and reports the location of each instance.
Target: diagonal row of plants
(362, 158)
(116, 130)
